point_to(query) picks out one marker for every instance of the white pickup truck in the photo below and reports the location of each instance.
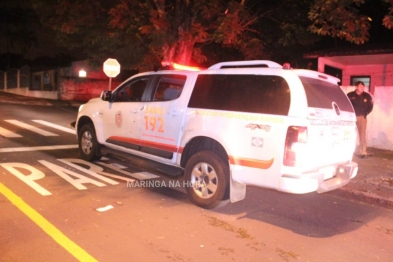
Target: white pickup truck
(223, 128)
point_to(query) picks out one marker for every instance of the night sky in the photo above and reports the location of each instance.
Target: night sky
(47, 46)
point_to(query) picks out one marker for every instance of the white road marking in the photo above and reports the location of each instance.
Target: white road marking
(138, 175)
(7, 133)
(36, 148)
(118, 165)
(75, 179)
(93, 170)
(31, 128)
(120, 177)
(62, 128)
(32, 175)
(144, 175)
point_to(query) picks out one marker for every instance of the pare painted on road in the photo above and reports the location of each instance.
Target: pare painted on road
(92, 174)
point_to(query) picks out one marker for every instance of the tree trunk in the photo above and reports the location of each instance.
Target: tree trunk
(180, 52)
(184, 52)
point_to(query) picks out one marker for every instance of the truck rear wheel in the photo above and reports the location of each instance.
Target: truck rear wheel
(207, 176)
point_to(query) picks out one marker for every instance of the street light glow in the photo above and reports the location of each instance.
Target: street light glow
(82, 73)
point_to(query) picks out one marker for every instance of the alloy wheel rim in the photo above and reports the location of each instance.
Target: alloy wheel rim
(87, 142)
(204, 180)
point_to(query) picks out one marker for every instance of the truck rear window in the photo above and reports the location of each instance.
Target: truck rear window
(322, 94)
(245, 93)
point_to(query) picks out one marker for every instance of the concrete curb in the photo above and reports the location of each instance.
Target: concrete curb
(363, 197)
(40, 102)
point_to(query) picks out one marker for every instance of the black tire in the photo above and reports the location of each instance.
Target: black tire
(207, 178)
(88, 144)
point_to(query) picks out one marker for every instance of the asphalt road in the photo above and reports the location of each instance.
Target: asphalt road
(50, 200)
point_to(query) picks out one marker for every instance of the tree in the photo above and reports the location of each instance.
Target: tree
(141, 34)
(388, 18)
(343, 19)
(18, 29)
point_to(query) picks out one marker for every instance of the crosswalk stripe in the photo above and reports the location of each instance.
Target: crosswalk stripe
(7, 133)
(36, 148)
(62, 128)
(31, 128)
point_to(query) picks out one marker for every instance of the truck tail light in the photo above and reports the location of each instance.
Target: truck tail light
(295, 145)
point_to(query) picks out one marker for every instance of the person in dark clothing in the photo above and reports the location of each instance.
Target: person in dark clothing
(362, 103)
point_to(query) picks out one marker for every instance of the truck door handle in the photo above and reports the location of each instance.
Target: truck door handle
(135, 110)
(173, 112)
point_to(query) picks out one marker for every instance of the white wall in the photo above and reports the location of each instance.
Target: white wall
(381, 75)
(376, 66)
(24, 91)
(380, 120)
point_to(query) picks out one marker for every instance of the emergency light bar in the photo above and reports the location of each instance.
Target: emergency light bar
(176, 66)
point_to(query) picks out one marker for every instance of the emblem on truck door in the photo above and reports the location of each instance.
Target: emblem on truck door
(119, 119)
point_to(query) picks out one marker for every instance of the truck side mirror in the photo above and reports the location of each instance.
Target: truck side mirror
(106, 95)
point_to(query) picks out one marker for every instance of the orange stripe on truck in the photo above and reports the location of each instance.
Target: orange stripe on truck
(262, 164)
(162, 146)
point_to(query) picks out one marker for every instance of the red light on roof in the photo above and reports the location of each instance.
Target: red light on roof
(286, 66)
(180, 67)
(184, 67)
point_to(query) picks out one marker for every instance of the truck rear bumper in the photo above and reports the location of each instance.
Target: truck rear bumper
(315, 181)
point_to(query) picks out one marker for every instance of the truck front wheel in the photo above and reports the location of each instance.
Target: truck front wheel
(88, 144)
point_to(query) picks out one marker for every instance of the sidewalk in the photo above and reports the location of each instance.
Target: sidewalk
(373, 184)
(24, 100)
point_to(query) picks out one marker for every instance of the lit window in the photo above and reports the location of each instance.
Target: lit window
(365, 79)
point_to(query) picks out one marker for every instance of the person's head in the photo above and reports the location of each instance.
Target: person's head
(359, 87)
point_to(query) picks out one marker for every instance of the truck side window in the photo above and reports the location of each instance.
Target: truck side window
(131, 91)
(169, 87)
(265, 94)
